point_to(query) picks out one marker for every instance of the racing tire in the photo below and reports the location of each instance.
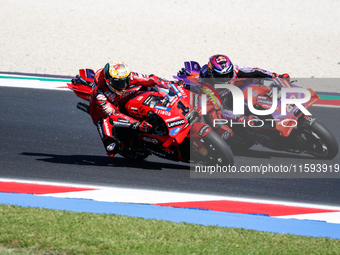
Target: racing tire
(218, 151)
(236, 142)
(318, 141)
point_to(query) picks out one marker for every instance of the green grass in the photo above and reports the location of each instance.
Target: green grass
(43, 231)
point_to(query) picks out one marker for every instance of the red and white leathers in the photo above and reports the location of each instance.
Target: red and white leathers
(104, 107)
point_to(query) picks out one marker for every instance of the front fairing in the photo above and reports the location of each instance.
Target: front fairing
(173, 114)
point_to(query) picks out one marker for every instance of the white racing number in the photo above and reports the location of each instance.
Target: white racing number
(163, 112)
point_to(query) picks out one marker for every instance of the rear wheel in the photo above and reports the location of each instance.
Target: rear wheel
(318, 141)
(218, 152)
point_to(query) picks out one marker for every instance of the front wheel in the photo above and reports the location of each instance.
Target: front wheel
(218, 152)
(318, 141)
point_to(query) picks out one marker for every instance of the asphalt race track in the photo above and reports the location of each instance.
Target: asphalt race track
(44, 137)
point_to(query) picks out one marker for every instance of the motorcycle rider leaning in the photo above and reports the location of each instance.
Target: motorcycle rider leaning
(220, 69)
(110, 84)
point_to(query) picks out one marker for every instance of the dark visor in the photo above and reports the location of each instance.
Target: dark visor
(119, 84)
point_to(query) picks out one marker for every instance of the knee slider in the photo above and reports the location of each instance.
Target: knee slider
(112, 146)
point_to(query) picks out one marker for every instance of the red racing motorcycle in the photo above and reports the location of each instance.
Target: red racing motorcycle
(293, 132)
(177, 131)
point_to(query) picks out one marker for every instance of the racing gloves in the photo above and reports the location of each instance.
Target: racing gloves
(283, 76)
(142, 126)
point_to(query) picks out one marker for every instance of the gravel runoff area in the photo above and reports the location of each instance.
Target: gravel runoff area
(301, 38)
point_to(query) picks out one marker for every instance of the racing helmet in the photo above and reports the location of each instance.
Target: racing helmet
(117, 77)
(220, 68)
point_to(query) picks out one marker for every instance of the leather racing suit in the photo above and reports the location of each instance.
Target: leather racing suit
(241, 76)
(105, 108)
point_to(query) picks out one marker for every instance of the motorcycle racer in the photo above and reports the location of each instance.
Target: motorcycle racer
(220, 69)
(108, 94)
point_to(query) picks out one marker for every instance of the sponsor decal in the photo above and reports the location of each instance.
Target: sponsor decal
(219, 59)
(111, 146)
(173, 101)
(150, 140)
(106, 127)
(121, 124)
(159, 107)
(121, 73)
(174, 131)
(162, 112)
(203, 151)
(176, 123)
(90, 73)
(147, 101)
(309, 119)
(140, 98)
(100, 130)
(184, 94)
(176, 90)
(204, 128)
(111, 96)
(196, 101)
(130, 92)
(107, 109)
(123, 120)
(100, 97)
(175, 118)
(264, 101)
(265, 105)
